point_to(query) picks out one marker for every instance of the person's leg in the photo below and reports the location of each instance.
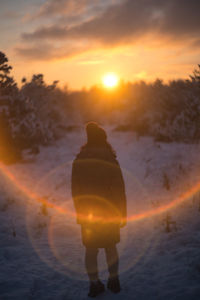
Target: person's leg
(113, 265)
(91, 263)
(96, 286)
(112, 260)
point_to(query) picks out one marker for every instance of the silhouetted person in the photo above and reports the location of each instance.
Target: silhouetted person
(100, 202)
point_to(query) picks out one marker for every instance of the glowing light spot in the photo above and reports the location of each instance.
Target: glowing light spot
(90, 217)
(110, 80)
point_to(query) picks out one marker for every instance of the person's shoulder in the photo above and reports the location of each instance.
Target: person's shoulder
(97, 152)
(83, 153)
(108, 155)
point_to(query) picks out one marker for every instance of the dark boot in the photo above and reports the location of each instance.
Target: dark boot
(96, 288)
(114, 284)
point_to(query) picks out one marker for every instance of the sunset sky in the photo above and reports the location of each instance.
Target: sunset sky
(78, 41)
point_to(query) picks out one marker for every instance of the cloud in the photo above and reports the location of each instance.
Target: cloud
(46, 52)
(51, 32)
(91, 62)
(124, 22)
(131, 19)
(71, 7)
(11, 15)
(182, 18)
(69, 12)
(196, 43)
(34, 52)
(52, 7)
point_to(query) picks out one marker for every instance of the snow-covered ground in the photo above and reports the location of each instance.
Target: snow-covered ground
(41, 254)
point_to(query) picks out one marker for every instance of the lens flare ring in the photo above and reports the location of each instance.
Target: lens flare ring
(68, 214)
(132, 218)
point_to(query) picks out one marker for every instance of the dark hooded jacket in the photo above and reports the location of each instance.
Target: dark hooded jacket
(98, 192)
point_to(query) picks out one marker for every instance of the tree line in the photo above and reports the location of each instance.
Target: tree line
(38, 113)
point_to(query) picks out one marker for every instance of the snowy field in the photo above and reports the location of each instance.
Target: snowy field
(41, 254)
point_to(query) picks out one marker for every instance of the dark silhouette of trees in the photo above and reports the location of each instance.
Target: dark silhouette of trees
(6, 82)
(196, 75)
(37, 113)
(31, 116)
(8, 91)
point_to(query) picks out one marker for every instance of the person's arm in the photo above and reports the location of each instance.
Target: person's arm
(75, 188)
(118, 191)
(123, 202)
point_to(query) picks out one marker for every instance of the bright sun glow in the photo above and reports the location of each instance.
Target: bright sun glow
(110, 80)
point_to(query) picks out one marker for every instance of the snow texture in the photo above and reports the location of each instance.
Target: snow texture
(41, 254)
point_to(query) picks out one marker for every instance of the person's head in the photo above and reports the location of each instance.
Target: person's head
(96, 135)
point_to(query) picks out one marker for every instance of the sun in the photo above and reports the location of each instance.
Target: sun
(110, 80)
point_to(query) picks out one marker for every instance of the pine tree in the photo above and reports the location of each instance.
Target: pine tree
(196, 75)
(7, 83)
